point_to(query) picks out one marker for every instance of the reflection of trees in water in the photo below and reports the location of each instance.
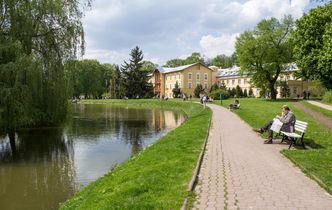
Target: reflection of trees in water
(40, 174)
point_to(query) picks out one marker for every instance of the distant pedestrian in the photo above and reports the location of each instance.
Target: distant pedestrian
(205, 99)
(190, 96)
(308, 94)
(304, 95)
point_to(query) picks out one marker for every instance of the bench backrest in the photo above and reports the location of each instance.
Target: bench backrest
(301, 126)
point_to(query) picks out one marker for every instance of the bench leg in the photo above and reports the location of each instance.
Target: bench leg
(292, 140)
(302, 143)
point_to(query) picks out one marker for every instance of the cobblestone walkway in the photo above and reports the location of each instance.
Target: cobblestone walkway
(240, 172)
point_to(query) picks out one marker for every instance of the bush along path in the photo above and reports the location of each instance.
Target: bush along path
(240, 172)
(156, 178)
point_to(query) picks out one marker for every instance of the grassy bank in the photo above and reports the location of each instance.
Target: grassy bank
(316, 162)
(325, 112)
(156, 178)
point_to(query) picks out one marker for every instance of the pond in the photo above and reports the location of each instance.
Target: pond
(47, 166)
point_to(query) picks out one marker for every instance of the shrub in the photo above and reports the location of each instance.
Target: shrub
(317, 89)
(327, 98)
(216, 94)
(198, 90)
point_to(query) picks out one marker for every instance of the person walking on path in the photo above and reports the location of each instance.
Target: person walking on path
(238, 172)
(287, 119)
(205, 99)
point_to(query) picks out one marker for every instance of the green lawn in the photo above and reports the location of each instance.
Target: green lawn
(325, 112)
(156, 178)
(316, 161)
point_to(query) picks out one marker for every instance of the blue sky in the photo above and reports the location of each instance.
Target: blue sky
(175, 28)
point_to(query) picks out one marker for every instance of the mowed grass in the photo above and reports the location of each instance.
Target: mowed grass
(156, 178)
(325, 112)
(316, 161)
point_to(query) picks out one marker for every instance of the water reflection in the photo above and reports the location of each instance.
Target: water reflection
(46, 166)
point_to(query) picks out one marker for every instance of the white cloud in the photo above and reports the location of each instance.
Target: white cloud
(106, 56)
(170, 29)
(239, 17)
(223, 44)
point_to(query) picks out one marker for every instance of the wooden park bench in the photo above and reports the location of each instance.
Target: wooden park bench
(300, 128)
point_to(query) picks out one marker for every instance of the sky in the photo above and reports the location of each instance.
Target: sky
(168, 29)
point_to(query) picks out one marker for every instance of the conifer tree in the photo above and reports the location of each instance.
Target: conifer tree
(135, 77)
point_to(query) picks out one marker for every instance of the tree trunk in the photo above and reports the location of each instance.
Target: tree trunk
(273, 92)
(11, 135)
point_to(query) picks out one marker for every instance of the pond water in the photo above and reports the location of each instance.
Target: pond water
(47, 166)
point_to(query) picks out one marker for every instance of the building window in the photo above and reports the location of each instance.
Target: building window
(288, 77)
(245, 81)
(239, 81)
(227, 82)
(198, 76)
(170, 86)
(205, 86)
(174, 77)
(189, 85)
(190, 76)
(233, 81)
(205, 76)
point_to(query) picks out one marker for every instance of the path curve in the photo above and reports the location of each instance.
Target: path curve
(240, 172)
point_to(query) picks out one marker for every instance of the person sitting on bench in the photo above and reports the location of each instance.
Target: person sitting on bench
(234, 105)
(287, 118)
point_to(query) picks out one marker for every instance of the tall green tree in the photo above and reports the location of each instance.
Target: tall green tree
(88, 78)
(176, 91)
(136, 78)
(117, 89)
(214, 87)
(148, 66)
(238, 91)
(264, 51)
(224, 61)
(198, 90)
(313, 44)
(195, 57)
(284, 89)
(42, 35)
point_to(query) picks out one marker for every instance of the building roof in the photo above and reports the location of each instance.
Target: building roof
(165, 70)
(235, 70)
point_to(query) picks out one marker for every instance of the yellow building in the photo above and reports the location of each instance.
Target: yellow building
(232, 77)
(187, 77)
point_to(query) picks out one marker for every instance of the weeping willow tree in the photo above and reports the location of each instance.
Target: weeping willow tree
(36, 38)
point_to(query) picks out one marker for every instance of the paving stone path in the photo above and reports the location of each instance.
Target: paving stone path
(240, 172)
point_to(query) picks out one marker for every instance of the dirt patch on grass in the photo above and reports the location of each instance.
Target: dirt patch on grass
(326, 121)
